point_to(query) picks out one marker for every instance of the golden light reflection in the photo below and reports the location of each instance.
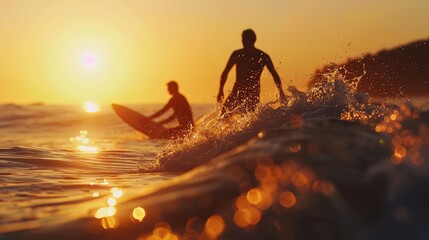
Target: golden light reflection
(111, 202)
(326, 188)
(83, 142)
(116, 192)
(406, 145)
(109, 222)
(395, 160)
(396, 140)
(251, 204)
(408, 141)
(299, 179)
(261, 172)
(269, 184)
(378, 128)
(287, 172)
(266, 200)
(258, 197)
(276, 171)
(139, 213)
(255, 215)
(81, 138)
(244, 218)
(87, 149)
(162, 229)
(287, 199)
(214, 226)
(105, 212)
(254, 196)
(100, 213)
(241, 202)
(111, 211)
(400, 151)
(296, 147)
(169, 236)
(105, 182)
(91, 107)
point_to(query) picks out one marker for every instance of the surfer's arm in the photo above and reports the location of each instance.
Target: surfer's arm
(224, 76)
(162, 111)
(276, 77)
(169, 119)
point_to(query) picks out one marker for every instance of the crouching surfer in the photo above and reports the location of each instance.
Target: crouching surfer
(181, 112)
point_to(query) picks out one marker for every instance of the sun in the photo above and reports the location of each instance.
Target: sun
(91, 107)
(89, 60)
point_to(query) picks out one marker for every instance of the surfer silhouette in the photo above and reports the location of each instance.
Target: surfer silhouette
(249, 62)
(181, 112)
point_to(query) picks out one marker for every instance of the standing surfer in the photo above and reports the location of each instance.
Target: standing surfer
(181, 112)
(249, 62)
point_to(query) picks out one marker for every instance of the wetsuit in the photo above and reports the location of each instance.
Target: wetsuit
(182, 112)
(245, 94)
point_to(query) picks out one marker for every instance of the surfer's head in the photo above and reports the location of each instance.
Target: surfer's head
(173, 87)
(248, 37)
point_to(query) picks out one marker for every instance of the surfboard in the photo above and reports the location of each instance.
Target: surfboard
(139, 122)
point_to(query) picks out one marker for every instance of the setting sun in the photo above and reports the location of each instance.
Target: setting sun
(91, 107)
(90, 60)
(124, 50)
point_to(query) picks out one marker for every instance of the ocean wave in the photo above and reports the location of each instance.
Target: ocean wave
(325, 179)
(18, 150)
(215, 135)
(329, 164)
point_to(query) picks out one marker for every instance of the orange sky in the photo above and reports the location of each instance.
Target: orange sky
(68, 52)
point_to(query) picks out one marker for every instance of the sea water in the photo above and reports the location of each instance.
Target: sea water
(53, 157)
(58, 160)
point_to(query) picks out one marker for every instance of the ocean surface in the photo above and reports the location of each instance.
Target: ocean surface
(54, 156)
(60, 163)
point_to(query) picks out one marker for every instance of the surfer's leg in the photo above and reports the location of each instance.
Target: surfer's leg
(229, 105)
(251, 103)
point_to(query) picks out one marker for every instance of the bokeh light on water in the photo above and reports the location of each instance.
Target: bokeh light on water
(214, 226)
(83, 143)
(139, 213)
(406, 144)
(108, 211)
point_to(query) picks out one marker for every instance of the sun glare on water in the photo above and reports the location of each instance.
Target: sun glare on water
(87, 149)
(83, 143)
(91, 107)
